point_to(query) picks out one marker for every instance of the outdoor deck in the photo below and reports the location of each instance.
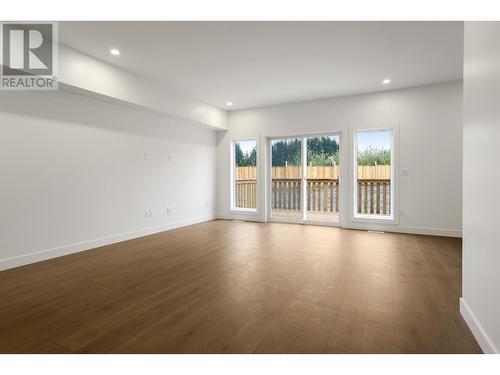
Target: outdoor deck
(332, 217)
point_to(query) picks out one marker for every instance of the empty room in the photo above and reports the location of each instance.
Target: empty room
(249, 187)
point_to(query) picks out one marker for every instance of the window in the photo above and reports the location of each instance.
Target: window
(373, 174)
(245, 175)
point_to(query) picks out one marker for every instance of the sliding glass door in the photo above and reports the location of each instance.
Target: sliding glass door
(305, 179)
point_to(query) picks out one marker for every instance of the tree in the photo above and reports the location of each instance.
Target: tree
(289, 151)
(244, 159)
(286, 151)
(253, 157)
(238, 155)
(374, 156)
(321, 151)
(325, 145)
(322, 159)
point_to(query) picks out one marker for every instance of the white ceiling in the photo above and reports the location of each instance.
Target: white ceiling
(261, 63)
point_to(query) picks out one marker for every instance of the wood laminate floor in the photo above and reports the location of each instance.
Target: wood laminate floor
(237, 287)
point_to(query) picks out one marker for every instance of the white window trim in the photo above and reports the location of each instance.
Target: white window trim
(367, 218)
(243, 210)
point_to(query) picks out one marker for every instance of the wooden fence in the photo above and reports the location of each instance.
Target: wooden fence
(365, 172)
(322, 191)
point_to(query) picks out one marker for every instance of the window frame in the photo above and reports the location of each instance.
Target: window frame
(374, 218)
(234, 208)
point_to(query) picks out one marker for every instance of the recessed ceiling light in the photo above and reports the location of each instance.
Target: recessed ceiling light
(229, 104)
(114, 51)
(386, 81)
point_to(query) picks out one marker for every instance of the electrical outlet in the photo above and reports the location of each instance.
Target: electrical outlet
(401, 212)
(169, 158)
(405, 172)
(170, 210)
(148, 213)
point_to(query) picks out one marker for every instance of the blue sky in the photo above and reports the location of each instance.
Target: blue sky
(247, 146)
(378, 139)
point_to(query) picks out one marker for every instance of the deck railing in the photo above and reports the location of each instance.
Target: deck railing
(374, 197)
(321, 195)
(246, 194)
(374, 189)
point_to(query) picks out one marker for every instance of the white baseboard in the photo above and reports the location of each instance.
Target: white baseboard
(477, 330)
(407, 229)
(241, 216)
(39, 256)
(361, 226)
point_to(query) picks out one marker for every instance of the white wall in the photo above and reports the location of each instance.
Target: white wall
(430, 131)
(480, 304)
(74, 174)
